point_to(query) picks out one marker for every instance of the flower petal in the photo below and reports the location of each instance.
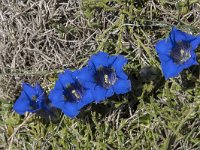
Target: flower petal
(195, 43)
(98, 60)
(66, 78)
(99, 93)
(122, 86)
(87, 98)
(122, 75)
(86, 77)
(110, 92)
(75, 73)
(178, 36)
(191, 61)
(22, 104)
(111, 60)
(39, 89)
(57, 98)
(163, 57)
(58, 85)
(164, 46)
(70, 109)
(119, 63)
(170, 69)
(29, 90)
(42, 100)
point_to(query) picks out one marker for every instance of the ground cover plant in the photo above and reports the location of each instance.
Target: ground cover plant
(40, 39)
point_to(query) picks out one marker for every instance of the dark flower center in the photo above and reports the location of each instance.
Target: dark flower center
(32, 107)
(33, 104)
(106, 77)
(34, 98)
(74, 92)
(181, 52)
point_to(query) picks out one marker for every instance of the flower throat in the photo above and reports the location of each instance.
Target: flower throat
(106, 77)
(74, 92)
(181, 52)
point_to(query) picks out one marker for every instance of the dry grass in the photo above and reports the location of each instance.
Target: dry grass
(41, 38)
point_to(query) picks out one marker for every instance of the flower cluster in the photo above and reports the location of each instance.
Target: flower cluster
(100, 79)
(104, 76)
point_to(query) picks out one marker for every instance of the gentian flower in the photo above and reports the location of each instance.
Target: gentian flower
(105, 76)
(32, 99)
(177, 52)
(69, 95)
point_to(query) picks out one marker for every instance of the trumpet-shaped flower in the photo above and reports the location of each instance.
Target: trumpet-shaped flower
(177, 52)
(105, 76)
(32, 99)
(69, 95)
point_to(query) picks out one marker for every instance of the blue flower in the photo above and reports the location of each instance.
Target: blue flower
(105, 76)
(69, 95)
(176, 52)
(31, 99)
